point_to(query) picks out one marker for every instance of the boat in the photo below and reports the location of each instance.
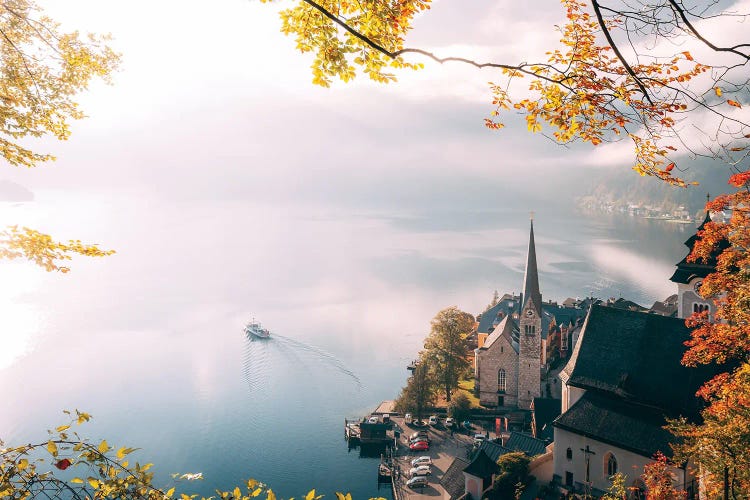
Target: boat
(255, 329)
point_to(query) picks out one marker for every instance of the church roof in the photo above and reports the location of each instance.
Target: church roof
(637, 357)
(508, 329)
(632, 427)
(482, 466)
(531, 276)
(453, 480)
(492, 316)
(686, 271)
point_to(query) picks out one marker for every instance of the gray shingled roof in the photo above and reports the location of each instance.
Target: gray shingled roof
(482, 466)
(493, 450)
(453, 480)
(508, 329)
(519, 441)
(626, 425)
(636, 356)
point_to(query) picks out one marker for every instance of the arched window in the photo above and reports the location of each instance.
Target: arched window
(569, 454)
(611, 464)
(501, 379)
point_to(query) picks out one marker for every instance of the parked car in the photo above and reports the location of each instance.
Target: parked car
(423, 434)
(433, 420)
(450, 422)
(417, 482)
(407, 418)
(425, 460)
(372, 420)
(418, 423)
(478, 438)
(422, 470)
(386, 418)
(467, 425)
(419, 446)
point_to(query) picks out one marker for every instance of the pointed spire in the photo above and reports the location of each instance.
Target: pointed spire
(531, 277)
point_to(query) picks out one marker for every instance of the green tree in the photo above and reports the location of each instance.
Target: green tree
(43, 69)
(419, 393)
(460, 407)
(514, 469)
(446, 348)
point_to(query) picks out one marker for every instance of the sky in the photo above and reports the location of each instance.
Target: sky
(216, 102)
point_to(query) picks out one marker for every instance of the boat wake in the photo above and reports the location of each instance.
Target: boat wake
(319, 355)
(262, 359)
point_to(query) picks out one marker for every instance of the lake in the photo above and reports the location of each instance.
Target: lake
(150, 340)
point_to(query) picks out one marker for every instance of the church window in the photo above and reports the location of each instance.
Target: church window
(569, 453)
(611, 464)
(699, 307)
(565, 339)
(501, 379)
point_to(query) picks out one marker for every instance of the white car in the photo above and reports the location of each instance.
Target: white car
(421, 461)
(450, 422)
(478, 438)
(433, 420)
(372, 420)
(422, 470)
(407, 418)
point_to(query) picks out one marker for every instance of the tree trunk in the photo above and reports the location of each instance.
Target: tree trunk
(726, 482)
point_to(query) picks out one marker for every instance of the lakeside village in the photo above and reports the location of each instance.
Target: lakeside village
(576, 392)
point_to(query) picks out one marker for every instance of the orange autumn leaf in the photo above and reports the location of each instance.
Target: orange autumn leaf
(734, 103)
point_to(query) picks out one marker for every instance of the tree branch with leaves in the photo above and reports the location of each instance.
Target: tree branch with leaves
(42, 70)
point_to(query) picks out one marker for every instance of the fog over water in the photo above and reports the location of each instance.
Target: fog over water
(150, 340)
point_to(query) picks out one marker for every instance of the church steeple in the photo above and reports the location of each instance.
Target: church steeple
(531, 276)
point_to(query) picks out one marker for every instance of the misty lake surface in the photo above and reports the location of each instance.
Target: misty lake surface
(150, 341)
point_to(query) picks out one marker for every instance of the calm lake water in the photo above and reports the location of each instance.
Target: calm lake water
(150, 340)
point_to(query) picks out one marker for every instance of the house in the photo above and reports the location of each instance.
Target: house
(624, 379)
(469, 478)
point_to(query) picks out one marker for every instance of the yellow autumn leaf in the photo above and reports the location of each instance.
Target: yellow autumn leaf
(718, 91)
(76, 480)
(237, 493)
(52, 448)
(93, 482)
(103, 447)
(257, 492)
(63, 428)
(22, 464)
(270, 495)
(310, 494)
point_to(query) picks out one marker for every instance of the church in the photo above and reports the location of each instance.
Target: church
(623, 380)
(517, 338)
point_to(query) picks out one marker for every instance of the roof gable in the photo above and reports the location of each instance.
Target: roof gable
(482, 466)
(453, 480)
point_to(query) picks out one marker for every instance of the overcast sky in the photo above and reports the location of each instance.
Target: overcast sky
(213, 101)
